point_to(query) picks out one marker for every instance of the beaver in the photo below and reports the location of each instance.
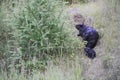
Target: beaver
(88, 34)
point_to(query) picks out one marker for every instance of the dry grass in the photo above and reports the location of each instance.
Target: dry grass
(104, 18)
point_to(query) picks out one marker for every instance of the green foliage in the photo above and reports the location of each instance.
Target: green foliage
(35, 33)
(38, 32)
(39, 27)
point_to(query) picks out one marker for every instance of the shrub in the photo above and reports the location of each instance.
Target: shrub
(38, 27)
(38, 33)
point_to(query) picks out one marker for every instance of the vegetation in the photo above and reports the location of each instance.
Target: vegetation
(31, 35)
(37, 41)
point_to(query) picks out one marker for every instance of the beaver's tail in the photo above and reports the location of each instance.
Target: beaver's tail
(90, 52)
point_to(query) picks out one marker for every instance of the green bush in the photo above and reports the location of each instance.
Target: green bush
(39, 27)
(38, 32)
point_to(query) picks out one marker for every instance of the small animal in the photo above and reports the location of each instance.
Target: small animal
(88, 34)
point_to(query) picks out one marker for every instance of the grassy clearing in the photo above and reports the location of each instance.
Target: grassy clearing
(105, 18)
(106, 21)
